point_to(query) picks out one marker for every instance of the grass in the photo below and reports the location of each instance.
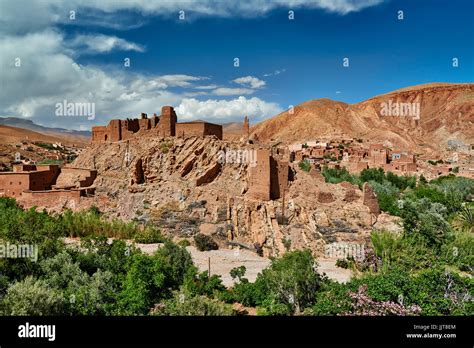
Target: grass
(84, 223)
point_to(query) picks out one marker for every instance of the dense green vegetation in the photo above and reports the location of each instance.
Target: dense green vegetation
(305, 165)
(425, 270)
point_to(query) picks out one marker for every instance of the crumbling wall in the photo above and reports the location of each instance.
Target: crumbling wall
(76, 177)
(188, 129)
(165, 126)
(259, 176)
(370, 199)
(49, 198)
(213, 129)
(246, 128)
(279, 178)
(44, 179)
(100, 134)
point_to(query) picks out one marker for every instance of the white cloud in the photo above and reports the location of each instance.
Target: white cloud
(276, 72)
(148, 83)
(226, 110)
(21, 16)
(224, 91)
(98, 43)
(250, 81)
(206, 87)
(49, 73)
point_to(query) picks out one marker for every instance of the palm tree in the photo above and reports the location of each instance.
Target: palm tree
(464, 220)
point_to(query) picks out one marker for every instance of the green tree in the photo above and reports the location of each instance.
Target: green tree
(292, 281)
(150, 279)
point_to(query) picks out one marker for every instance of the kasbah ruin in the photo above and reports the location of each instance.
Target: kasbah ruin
(188, 178)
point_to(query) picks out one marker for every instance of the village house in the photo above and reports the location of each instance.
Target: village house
(355, 158)
(46, 184)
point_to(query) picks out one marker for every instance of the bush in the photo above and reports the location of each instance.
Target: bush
(197, 284)
(386, 245)
(342, 263)
(91, 222)
(246, 293)
(439, 292)
(96, 253)
(305, 165)
(149, 235)
(372, 174)
(401, 182)
(337, 175)
(31, 297)
(184, 243)
(426, 221)
(165, 147)
(332, 299)
(138, 287)
(238, 272)
(460, 251)
(387, 196)
(362, 304)
(82, 294)
(181, 305)
(18, 226)
(205, 243)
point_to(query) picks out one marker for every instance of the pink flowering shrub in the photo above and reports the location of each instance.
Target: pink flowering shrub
(362, 304)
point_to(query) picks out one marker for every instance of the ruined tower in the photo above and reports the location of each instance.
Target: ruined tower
(259, 176)
(168, 121)
(246, 128)
(144, 122)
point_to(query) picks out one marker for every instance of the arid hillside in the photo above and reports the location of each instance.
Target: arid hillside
(14, 135)
(446, 111)
(233, 130)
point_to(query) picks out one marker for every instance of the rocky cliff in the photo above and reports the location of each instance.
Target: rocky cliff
(182, 187)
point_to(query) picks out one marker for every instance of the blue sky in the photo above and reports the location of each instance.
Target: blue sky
(190, 63)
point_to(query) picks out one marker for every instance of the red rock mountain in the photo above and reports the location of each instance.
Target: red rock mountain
(446, 111)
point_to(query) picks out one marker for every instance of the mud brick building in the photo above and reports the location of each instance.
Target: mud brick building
(378, 155)
(268, 178)
(199, 129)
(116, 130)
(46, 184)
(27, 177)
(403, 162)
(165, 125)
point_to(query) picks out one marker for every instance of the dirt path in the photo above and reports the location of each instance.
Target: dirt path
(223, 260)
(328, 266)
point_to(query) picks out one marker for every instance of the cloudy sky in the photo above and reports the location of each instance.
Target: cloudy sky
(183, 53)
